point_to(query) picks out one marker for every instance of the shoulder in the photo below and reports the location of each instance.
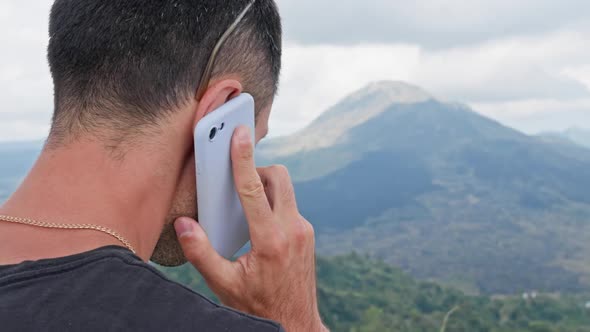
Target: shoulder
(110, 290)
(175, 306)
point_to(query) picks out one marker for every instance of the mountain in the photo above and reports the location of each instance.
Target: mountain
(442, 191)
(360, 294)
(573, 135)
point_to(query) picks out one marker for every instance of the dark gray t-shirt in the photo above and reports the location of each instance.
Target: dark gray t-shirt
(108, 289)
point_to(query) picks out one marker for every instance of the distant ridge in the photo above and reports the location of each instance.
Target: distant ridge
(578, 136)
(442, 191)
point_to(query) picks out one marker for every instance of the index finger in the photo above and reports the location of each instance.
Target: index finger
(249, 185)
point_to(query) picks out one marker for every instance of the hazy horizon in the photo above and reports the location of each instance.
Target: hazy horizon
(272, 136)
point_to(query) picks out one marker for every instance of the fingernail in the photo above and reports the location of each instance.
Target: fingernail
(243, 135)
(183, 226)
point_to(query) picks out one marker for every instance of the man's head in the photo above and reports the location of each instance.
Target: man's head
(122, 70)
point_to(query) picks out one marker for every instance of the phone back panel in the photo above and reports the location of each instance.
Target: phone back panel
(220, 212)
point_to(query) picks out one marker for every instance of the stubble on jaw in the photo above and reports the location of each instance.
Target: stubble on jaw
(168, 251)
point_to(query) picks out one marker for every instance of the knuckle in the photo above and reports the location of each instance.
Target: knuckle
(262, 169)
(277, 248)
(300, 229)
(188, 241)
(280, 171)
(300, 234)
(244, 266)
(251, 188)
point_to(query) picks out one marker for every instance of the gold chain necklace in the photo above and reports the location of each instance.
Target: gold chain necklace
(31, 222)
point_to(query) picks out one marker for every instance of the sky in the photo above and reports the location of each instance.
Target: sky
(524, 63)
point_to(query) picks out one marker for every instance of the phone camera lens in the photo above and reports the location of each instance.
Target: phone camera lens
(212, 133)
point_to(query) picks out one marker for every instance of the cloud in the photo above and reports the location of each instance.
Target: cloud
(429, 23)
(511, 71)
(316, 77)
(579, 73)
(25, 83)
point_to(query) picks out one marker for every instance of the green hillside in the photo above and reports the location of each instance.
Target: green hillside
(358, 294)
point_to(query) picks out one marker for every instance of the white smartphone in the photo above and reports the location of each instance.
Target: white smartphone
(220, 212)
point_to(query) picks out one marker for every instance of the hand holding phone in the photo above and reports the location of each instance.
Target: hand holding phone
(277, 278)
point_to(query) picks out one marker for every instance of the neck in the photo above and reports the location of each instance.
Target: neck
(82, 184)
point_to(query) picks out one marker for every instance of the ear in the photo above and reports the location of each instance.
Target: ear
(218, 93)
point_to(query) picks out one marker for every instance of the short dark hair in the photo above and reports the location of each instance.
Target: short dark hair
(126, 64)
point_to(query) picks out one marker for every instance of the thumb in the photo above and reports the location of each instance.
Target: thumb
(197, 249)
